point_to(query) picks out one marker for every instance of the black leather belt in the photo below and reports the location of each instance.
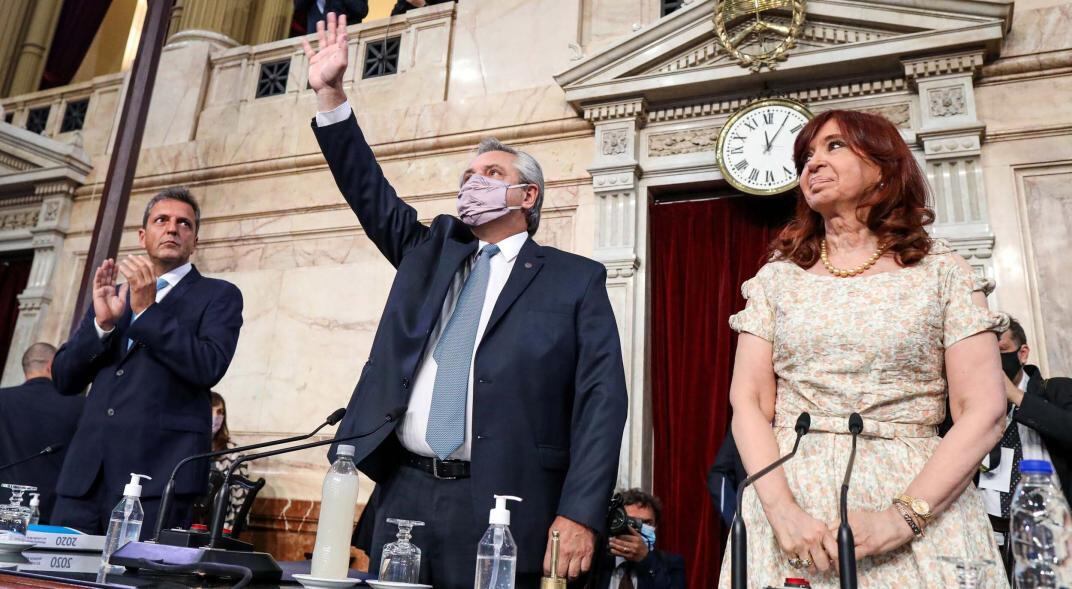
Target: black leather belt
(440, 469)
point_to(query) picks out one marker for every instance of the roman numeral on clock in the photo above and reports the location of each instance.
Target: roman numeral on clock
(741, 165)
(768, 177)
(797, 128)
(737, 150)
(768, 118)
(754, 175)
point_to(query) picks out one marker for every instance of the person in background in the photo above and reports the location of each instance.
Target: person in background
(724, 477)
(33, 416)
(317, 10)
(1038, 426)
(221, 438)
(632, 561)
(402, 6)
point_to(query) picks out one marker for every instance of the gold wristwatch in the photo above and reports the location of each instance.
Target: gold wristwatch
(919, 507)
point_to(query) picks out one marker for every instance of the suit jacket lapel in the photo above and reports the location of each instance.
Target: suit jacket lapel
(452, 257)
(526, 267)
(173, 295)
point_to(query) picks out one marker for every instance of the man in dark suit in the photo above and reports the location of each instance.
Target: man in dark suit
(34, 416)
(316, 10)
(725, 475)
(152, 348)
(504, 352)
(1038, 428)
(632, 562)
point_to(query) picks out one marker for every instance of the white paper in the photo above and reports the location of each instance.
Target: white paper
(999, 479)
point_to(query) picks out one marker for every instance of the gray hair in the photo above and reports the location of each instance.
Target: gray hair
(179, 193)
(528, 170)
(37, 357)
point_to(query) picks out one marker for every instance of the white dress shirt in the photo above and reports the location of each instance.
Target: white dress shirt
(172, 279)
(412, 429)
(619, 571)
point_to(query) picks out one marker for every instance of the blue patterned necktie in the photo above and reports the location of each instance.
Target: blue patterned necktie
(454, 357)
(161, 284)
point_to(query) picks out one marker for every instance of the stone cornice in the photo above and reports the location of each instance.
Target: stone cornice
(969, 62)
(634, 108)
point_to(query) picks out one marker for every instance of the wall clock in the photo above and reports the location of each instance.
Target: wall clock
(755, 147)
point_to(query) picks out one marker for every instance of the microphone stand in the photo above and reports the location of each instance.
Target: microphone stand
(210, 559)
(222, 499)
(169, 488)
(845, 540)
(738, 533)
(44, 452)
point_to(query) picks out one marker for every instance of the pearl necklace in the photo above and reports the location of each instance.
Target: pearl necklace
(848, 273)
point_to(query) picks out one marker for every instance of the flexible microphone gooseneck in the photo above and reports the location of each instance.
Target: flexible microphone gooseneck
(220, 511)
(846, 543)
(52, 449)
(739, 554)
(169, 488)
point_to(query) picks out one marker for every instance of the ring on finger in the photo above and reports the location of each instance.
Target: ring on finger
(796, 563)
(805, 563)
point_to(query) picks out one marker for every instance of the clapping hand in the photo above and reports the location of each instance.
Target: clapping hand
(141, 279)
(109, 301)
(328, 63)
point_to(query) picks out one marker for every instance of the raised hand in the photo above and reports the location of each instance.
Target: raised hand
(141, 277)
(109, 301)
(328, 63)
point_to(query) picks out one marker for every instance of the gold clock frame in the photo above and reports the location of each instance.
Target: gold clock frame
(744, 111)
(771, 58)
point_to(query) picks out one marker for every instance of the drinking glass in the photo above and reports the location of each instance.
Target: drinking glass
(14, 518)
(401, 561)
(969, 571)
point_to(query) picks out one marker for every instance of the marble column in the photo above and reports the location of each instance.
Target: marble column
(271, 21)
(615, 171)
(221, 21)
(48, 237)
(951, 136)
(30, 60)
(11, 27)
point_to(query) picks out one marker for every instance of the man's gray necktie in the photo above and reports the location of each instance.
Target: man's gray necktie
(161, 284)
(454, 357)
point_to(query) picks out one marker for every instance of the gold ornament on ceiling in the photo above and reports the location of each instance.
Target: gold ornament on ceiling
(759, 33)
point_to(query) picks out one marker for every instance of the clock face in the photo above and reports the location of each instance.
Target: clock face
(755, 148)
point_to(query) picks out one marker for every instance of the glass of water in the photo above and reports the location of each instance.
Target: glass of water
(969, 572)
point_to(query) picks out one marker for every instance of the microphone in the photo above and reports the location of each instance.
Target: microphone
(739, 555)
(846, 543)
(222, 497)
(51, 449)
(169, 488)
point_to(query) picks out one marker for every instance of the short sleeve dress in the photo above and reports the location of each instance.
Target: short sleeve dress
(872, 345)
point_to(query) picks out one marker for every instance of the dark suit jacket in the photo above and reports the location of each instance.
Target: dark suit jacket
(658, 570)
(33, 416)
(401, 6)
(725, 476)
(149, 407)
(549, 397)
(355, 11)
(1047, 409)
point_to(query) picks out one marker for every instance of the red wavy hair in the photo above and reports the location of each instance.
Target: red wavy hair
(896, 212)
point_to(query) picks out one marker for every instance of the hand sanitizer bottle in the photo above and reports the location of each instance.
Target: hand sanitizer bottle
(125, 524)
(35, 508)
(496, 555)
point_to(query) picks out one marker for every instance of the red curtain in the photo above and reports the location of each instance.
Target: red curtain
(14, 273)
(701, 252)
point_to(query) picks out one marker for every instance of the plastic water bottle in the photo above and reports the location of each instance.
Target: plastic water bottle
(496, 555)
(1039, 526)
(125, 523)
(331, 553)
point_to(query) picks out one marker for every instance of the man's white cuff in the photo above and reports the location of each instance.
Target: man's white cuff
(337, 115)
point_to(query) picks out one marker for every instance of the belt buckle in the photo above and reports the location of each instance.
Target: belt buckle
(435, 470)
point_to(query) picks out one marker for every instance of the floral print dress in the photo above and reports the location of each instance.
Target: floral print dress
(872, 345)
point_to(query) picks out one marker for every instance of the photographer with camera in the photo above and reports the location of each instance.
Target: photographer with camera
(631, 560)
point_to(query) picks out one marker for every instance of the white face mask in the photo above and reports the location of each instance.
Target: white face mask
(217, 423)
